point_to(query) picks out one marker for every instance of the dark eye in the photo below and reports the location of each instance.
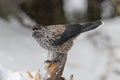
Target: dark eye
(34, 28)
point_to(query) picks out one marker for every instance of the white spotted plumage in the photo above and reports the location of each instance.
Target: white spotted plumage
(59, 38)
(47, 34)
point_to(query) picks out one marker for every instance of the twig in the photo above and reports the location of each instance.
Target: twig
(71, 77)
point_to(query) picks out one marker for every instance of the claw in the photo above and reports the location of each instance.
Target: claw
(56, 60)
(51, 61)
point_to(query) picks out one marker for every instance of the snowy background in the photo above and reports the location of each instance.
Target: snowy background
(91, 58)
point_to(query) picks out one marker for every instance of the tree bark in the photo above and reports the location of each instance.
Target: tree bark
(94, 10)
(45, 11)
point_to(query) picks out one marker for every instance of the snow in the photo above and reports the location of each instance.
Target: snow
(87, 60)
(17, 46)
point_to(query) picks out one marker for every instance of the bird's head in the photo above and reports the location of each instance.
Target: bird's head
(38, 30)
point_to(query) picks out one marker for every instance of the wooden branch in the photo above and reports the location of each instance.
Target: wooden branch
(55, 69)
(36, 76)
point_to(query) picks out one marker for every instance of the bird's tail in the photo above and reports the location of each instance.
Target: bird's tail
(90, 26)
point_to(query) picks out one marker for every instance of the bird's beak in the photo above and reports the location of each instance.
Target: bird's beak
(34, 34)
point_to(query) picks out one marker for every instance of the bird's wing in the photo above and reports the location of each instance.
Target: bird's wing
(70, 31)
(73, 30)
(90, 26)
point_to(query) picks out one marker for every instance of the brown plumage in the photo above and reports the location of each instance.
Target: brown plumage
(59, 38)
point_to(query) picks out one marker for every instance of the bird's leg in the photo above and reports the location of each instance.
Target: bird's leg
(57, 57)
(50, 55)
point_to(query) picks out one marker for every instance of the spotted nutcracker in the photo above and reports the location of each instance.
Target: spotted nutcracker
(59, 38)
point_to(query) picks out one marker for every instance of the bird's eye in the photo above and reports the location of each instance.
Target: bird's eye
(34, 28)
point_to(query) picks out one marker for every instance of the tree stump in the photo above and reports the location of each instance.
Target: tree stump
(55, 69)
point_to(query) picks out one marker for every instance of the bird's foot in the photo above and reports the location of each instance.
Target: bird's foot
(51, 61)
(57, 59)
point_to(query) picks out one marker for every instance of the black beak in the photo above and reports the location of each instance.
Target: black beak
(34, 33)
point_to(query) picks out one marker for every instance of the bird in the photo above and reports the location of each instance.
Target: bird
(59, 38)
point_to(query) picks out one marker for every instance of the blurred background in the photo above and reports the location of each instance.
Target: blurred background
(95, 54)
